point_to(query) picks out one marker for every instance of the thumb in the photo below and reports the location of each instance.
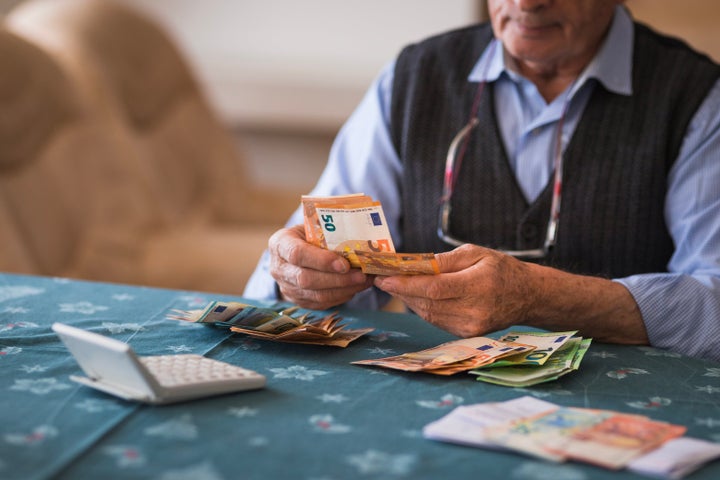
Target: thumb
(461, 258)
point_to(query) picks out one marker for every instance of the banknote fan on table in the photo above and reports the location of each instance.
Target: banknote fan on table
(517, 359)
(281, 324)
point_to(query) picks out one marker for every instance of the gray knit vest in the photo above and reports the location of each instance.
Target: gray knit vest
(615, 166)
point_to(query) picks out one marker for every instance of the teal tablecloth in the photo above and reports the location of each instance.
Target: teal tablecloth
(319, 416)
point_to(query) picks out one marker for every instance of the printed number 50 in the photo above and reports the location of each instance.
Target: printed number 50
(328, 222)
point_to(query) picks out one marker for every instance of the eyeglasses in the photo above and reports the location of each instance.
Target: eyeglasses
(455, 155)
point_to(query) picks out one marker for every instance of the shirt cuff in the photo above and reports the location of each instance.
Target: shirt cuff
(681, 312)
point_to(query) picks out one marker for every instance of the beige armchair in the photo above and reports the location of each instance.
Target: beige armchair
(114, 167)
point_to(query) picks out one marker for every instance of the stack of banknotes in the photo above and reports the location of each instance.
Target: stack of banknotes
(279, 324)
(515, 359)
(354, 225)
(451, 357)
(555, 354)
(604, 438)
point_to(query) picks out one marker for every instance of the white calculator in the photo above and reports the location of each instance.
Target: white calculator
(113, 367)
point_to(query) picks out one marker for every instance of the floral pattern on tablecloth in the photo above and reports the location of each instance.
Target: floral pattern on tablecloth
(318, 418)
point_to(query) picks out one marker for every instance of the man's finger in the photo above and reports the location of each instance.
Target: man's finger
(461, 258)
(290, 245)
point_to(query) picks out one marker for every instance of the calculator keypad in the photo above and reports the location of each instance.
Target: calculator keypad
(177, 370)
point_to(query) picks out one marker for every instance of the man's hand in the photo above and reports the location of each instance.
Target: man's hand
(310, 276)
(480, 291)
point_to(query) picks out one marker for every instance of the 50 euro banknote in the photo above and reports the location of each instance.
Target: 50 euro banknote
(355, 226)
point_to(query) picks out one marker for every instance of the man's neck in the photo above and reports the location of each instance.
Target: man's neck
(549, 79)
(551, 84)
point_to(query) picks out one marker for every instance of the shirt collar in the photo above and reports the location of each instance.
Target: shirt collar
(612, 66)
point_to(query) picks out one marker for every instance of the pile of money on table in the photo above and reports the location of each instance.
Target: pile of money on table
(555, 354)
(515, 359)
(605, 438)
(281, 324)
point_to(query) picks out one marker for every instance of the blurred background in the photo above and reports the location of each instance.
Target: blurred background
(283, 74)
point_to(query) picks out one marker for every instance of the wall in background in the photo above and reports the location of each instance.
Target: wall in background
(696, 21)
(298, 64)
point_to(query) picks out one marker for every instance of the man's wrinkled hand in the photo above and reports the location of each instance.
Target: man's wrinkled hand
(310, 276)
(477, 291)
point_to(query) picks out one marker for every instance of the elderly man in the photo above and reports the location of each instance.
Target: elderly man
(581, 188)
